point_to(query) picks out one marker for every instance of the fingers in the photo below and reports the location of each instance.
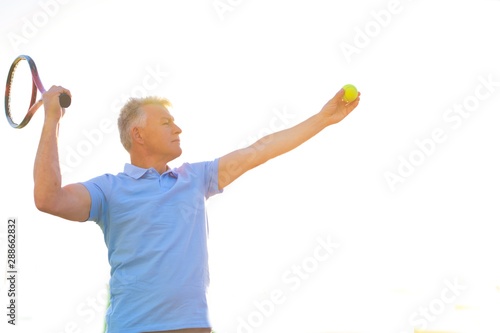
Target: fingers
(51, 95)
(57, 90)
(53, 109)
(353, 103)
(348, 106)
(339, 98)
(339, 95)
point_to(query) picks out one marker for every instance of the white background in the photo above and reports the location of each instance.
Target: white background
(232, 74)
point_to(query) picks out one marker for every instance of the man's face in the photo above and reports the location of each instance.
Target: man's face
(160, 133)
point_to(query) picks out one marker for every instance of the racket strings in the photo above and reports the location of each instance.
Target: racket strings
(17, 93)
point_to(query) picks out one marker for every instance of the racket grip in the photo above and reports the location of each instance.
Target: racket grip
(64, 100)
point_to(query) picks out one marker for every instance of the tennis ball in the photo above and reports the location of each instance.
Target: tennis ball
(350, 93)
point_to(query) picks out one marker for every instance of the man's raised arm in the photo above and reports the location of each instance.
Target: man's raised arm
(236, 163)
(71, 202)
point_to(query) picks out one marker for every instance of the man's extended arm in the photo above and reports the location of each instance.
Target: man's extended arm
(71, 202)
(236, 163)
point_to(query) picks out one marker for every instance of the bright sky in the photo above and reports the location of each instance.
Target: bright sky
(386, 220)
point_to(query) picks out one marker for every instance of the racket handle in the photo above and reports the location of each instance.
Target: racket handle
(64, 100)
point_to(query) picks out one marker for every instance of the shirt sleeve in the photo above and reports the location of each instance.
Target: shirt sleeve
(212, 178)
(97, 197)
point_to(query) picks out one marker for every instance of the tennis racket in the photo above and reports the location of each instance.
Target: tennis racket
(17, 92)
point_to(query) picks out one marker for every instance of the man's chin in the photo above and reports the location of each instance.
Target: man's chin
(177, 154)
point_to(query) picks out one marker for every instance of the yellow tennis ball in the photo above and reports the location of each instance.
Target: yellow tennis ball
(350, 93)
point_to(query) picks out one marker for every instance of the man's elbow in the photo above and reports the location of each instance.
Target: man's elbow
(42, 205)
(45, 204)
(67, 203)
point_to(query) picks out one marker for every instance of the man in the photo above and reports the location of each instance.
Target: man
(153, 217)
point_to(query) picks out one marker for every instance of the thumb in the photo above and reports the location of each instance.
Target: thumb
(339, 95)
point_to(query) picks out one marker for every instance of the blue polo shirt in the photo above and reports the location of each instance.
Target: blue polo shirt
(155, 228)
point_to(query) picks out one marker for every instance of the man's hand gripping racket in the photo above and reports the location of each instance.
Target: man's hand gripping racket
(36, 84)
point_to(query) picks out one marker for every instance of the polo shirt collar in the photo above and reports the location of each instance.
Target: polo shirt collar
(136, 172)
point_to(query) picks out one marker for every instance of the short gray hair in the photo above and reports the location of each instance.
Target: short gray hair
(132, 115)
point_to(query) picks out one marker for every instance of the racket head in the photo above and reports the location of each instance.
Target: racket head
(17, 91)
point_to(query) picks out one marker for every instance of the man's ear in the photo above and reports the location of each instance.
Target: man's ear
(137, 135)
